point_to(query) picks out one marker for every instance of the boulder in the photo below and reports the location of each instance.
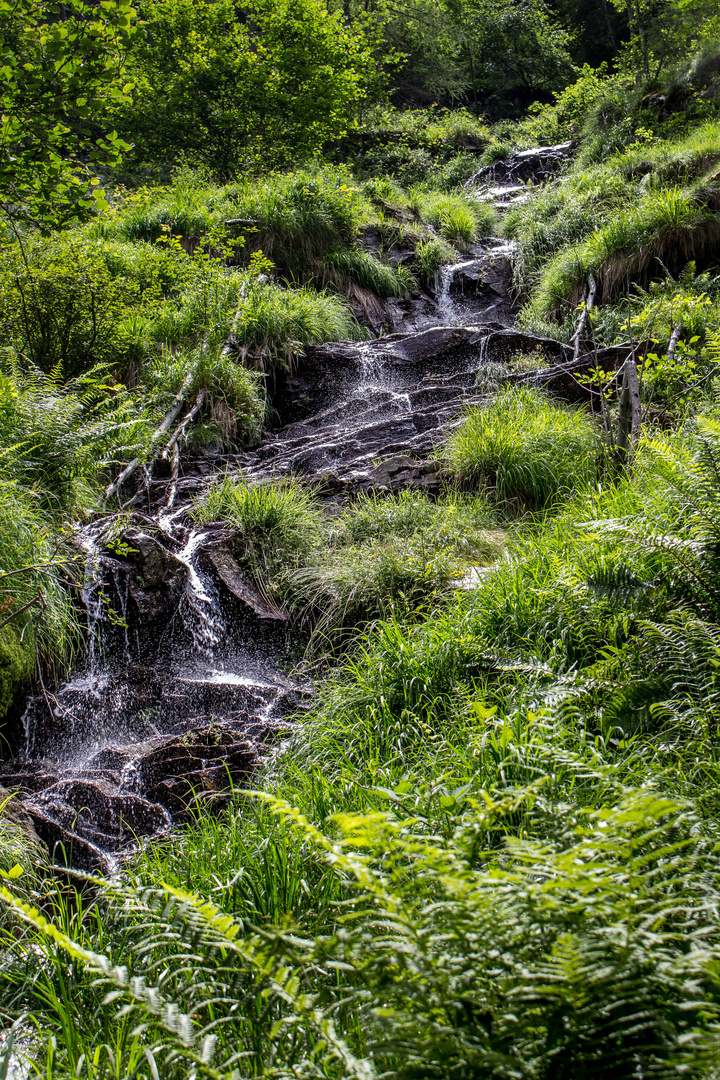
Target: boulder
(537, 164)
(157, 578)
(236, 581)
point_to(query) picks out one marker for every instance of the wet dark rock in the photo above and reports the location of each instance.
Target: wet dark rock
(235, 580)
(127, 792)
(157, 578)
(569, 379)
(502, 344)
(537, 164)
(404, 472)
(394, 398)
(65, 846)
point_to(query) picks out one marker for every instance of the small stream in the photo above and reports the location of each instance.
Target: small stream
(182, 692)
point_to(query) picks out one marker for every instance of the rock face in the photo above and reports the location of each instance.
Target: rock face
(538, 164)
(504, 182)
(386, 406)
(393, 397)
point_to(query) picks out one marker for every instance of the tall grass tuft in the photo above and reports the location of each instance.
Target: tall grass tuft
(523, 448)
(457, 218)
(277, 525)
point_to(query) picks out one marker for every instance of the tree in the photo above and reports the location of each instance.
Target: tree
(61, 66)
(496, 53)
(664, 32)
(219, 82)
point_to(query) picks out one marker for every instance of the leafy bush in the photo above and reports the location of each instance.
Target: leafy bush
(524, 448)
(415, 146)
(228, 89)
(63, 308)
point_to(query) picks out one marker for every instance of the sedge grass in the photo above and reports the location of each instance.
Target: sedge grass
(523, 448)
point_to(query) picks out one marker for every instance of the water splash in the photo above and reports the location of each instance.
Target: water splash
(452, 312)
(200, 607)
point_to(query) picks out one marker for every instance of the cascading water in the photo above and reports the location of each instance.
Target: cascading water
(200, 606)
(180, 691)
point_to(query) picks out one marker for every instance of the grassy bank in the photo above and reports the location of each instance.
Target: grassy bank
(533, 764)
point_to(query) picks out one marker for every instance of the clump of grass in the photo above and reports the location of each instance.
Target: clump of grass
(278, 525)
(523, 448)
(381, 554)
(341, 268)
(268, 323)
(669, 228)
(456, 217)
(190, 207)
(393, 553)
(203, 312)
(274, 324)
(648, 207)
(298, 218)
(431, 256)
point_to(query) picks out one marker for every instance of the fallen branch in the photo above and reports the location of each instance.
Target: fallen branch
(169, 419)
(677, 333)
(180, 430)
(37, 599)
(628, 421)
(582, 321)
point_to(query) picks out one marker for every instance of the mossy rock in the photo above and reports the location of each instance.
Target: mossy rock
(16, 664)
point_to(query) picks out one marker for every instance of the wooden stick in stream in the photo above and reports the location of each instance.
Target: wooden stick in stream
(587, 307)
(168, 421)
(173, 477)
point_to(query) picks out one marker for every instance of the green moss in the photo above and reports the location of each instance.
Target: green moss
(17, 660)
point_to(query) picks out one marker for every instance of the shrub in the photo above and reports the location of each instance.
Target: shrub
(415, 146)
(524, 448)
(63, 308)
